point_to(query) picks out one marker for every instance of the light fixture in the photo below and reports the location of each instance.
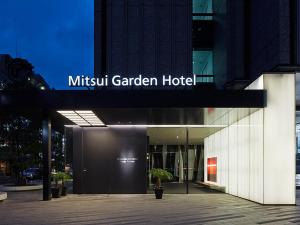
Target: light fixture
(82, 117)
(90, 117)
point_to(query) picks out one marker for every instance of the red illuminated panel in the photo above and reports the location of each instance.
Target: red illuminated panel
(212, 169)
(210, 110)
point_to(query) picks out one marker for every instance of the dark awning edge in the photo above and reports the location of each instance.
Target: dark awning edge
(81, 99)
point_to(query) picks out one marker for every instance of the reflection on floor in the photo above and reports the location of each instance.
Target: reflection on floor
(180, 188)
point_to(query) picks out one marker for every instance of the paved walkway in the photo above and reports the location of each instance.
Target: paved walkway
(26, 208)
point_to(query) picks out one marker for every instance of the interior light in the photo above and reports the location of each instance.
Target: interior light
(84, 111)
(90, 118)
(64, 112)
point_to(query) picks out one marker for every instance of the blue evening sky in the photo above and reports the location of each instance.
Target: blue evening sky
(55, 36)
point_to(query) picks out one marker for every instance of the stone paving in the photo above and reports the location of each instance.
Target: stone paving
(26, 208)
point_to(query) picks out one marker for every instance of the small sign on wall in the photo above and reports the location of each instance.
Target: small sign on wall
(127, 160)
(212, 169)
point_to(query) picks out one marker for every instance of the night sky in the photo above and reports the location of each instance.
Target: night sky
(55, 36)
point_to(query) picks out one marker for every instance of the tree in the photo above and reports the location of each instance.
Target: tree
(21, 142)
(58, 157)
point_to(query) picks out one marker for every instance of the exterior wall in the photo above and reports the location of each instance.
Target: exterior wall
(151, 37)
(155, 37)
(256, 151)
(252, 37)
(239, 150)
(280, 140)
(235, 44)
(269, 36)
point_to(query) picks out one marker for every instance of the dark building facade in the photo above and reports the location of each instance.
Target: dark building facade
(257, 36)
(143, 37)
(227, 43)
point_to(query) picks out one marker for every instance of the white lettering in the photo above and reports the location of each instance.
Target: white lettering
(116, 80)
(189, 81)
(166, 81)
(176, 81)
(153, 81)
(73, 83)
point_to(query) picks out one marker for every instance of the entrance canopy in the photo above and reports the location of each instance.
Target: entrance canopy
(130, 106)
(70, 99)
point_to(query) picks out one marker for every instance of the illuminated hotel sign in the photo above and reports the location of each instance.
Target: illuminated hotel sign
(139, 81)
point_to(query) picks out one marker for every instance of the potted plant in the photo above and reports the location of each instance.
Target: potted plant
(64, 176)
(160, 175)
(56, 189)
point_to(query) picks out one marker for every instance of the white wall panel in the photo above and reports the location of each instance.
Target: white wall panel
(256, 156)
(232, 169)
(217, 146)
(242, 113)
(256, 152)
(279, 139)
(223, 157)
(206, 150)
(243, 157)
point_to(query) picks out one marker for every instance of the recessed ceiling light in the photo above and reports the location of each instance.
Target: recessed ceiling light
(82, 117)
(84, 111)
(65, 111)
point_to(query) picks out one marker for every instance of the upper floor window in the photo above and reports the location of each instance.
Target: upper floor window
(202, 10)
(203, 66)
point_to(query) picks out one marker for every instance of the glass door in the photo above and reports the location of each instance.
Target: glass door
(167, 151)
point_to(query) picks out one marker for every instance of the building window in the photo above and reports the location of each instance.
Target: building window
(202, 10)
(203, 66)
(203, 40)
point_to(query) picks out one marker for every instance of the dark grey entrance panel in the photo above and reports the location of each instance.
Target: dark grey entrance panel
(113, 160)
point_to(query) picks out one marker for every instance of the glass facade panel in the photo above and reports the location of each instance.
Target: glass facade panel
(171, 158)
(202, 6)
(202, 18)
(202, 9)
(202, 41)
(203, 66)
